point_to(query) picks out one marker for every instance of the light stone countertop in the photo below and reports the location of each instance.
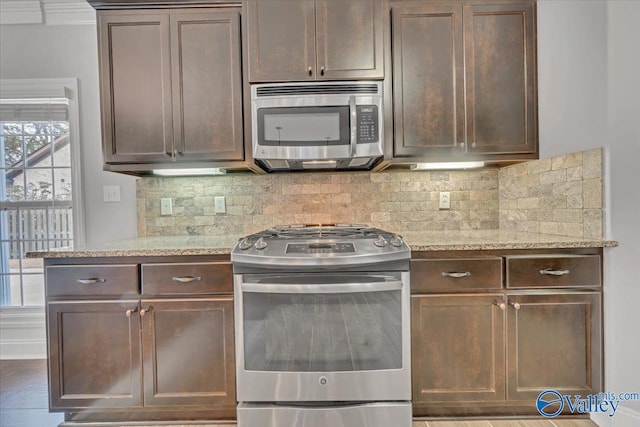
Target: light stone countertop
(418, 241)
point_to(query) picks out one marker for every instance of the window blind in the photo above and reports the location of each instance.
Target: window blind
(34, 110)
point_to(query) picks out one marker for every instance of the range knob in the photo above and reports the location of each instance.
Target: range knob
(380, 242)
(261, 243)
(396, 241)
(245, 244)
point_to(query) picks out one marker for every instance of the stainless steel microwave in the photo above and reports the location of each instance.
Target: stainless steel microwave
(317, 125)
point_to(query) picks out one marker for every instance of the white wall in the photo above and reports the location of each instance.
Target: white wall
(59, 51)
(590, 97)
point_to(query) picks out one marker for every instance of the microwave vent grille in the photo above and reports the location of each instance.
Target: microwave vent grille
(321, 89)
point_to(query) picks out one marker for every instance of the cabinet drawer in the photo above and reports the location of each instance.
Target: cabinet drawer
(461, 274)
(187, 279)
(553, 271)
(92, 280)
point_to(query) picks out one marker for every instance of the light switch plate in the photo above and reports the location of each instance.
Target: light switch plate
(111, 193)
(445, 200)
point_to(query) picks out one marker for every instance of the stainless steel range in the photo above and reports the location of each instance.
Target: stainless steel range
(322, 327)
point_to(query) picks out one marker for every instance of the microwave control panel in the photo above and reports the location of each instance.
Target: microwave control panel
(367, 119)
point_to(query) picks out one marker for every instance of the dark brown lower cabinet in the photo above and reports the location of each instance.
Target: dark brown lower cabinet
(94, 355)
(178, 354)
(494, 353)
(188, 352)
(553, 342)
(458, 348)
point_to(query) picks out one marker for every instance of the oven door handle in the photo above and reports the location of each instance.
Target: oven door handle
(332, 288)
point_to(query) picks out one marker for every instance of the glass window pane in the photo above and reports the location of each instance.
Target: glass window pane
(62, 152)
(63, 183)
(38, 150)
(39, 184)
(15, 184)
(13, 150)
(59, 128)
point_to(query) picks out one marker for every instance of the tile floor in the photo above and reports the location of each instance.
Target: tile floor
(24, 403)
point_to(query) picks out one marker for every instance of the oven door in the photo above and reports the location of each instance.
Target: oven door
(322, 337)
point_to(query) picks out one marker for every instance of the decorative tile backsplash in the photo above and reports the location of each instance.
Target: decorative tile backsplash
(394, 200)
(561, 195)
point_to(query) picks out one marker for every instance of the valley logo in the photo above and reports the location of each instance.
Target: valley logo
(550, 403)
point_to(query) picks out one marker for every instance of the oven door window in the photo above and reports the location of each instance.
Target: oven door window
(303, 126)
(322, 332)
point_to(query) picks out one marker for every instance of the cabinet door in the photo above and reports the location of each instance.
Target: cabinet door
(94, 355)
(281, 40)
(207, 85)
(349, 39)
(553, 342)
(188, 352)
(457, 348)
(135, 86)
(501, 78)
(428, 82)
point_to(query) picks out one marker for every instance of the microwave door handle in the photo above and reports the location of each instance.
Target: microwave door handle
(354, 124)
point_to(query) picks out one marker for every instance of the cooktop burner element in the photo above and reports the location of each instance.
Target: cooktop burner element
(319, 245)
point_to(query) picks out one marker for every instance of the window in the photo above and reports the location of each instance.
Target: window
(37, 191)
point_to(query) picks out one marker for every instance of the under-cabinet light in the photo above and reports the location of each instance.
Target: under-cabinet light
(446, 165)
(189, 172)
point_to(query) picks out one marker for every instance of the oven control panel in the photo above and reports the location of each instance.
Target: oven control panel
(320, 248)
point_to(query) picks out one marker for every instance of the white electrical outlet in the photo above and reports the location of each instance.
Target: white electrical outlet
(166, 206)
(111, 193)
(219, 204)
(445, 200)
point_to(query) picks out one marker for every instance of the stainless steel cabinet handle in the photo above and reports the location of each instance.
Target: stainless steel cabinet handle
(91, 280)
(456, 274)
(552, 272)
(310, 71)
(514, 305)
(187, 279)
(501, 305)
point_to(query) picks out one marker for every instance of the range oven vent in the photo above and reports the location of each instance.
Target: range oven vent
(318, 89)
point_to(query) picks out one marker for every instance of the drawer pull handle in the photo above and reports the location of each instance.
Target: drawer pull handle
(129, 312)
(144, 311)
(187, 279)
(514, 305)
(552, 272)
(500, 305)
(91, 281)
(456, 274)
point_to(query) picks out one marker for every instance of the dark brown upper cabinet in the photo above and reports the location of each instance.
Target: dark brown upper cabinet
(315, 40)
(464, 81)
(171, 85)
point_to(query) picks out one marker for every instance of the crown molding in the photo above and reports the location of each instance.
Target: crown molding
(47, 12)
(21, 12)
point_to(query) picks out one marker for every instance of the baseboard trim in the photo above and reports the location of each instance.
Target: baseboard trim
(624, 417)
(22, 333)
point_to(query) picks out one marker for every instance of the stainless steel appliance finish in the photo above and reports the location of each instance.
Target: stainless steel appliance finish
(380, 414)
(317, 125)
(322, 327)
